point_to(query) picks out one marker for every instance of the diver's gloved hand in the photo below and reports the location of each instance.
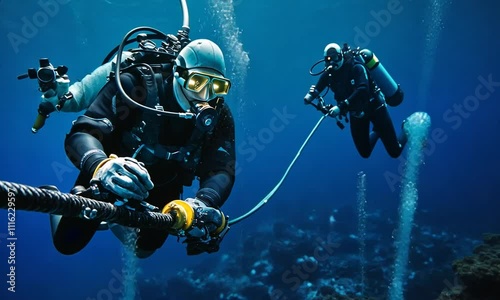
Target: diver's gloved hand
(311, 95)
(208, 229)
(123, 176)
(62, 88)
(340, 109)
(208, 219)
(355, 109)
(343, 106)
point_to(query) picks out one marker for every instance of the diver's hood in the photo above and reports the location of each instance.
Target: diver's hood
(202, 55)
(180, 96)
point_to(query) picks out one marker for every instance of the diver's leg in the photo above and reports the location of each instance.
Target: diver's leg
(145, 241)
(70, 234)
(54, 223)
(149, 240)
(383, 125)
(360, 132)
(126, 235)
(123, 233)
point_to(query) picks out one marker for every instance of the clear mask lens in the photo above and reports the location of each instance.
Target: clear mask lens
(333, 59)
(220, 87)
(196, 82)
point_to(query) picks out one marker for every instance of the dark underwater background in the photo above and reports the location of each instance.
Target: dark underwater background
(440, 51)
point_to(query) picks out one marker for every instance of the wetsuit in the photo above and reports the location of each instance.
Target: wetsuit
(106, 128)
(352, 82)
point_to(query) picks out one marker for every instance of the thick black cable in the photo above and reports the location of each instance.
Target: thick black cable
(22, 197)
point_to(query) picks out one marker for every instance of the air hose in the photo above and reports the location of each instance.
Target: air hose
(278, 185)
(54, 202)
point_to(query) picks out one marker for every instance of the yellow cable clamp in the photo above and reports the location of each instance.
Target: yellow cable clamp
(184, 214)
(221, 227)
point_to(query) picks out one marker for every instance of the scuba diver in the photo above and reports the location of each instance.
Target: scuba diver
(362, 89)
(155, 121)
(153, 128)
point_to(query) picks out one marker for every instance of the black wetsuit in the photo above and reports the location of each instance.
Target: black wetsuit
(352, 82)
(91, 132)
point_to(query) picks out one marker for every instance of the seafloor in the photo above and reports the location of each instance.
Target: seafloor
(320, 259)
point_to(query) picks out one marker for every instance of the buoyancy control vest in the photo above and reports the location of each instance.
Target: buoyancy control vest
(154, 67)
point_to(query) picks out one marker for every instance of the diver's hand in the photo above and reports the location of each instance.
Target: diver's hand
(208, 229)
(343, 106)
(334, 111)
(311, 95)
(208, 219)
(62, 88)
(125, 177)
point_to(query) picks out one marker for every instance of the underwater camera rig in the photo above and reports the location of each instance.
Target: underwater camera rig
(47, 76)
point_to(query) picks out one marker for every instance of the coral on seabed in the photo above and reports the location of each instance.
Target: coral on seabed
(479, 274)
(317, 259)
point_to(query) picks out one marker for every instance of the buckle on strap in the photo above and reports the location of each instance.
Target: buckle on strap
(177, 155)
(161, 152)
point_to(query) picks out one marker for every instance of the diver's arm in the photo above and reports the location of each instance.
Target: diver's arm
(85, 91)
(323, 81)
(94, 132)
(84, 144)
(315, 90)
(85, 151)
(361, 85)
(217, 166)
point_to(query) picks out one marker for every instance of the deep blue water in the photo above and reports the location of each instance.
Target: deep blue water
(439, 51)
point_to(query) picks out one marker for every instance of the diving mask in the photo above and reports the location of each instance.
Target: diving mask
(206, 86)
(333, 56)
(335, 60)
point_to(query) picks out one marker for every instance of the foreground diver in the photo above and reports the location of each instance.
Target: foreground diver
(144, 159)
(356, 93)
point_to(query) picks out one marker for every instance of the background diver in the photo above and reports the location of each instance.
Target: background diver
(349, 74)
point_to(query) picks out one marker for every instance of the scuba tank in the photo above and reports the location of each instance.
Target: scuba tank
(392, 91)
